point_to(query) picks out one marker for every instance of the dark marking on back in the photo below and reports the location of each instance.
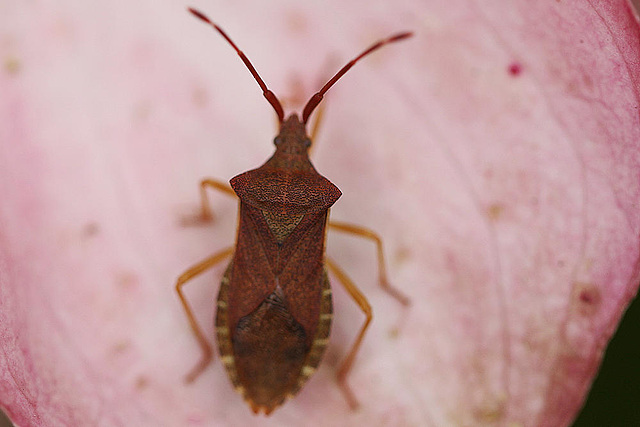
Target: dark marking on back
(270, 349)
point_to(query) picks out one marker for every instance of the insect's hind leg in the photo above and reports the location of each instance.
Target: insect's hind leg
(201, 267)
(361, 300)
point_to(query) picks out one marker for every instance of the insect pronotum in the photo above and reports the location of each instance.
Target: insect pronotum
(274, 307)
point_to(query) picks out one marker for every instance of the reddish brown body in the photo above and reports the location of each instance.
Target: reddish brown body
(272, 318)
(274, 307)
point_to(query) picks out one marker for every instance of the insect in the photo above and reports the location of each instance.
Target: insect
(274, 306)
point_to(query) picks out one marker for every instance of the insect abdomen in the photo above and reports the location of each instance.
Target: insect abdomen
(266, 357)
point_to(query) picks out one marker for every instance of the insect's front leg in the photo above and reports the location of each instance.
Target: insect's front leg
(201, 267)
(221, 186)
(316, 126)
(206, 213)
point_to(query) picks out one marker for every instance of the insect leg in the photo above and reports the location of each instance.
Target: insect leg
(316, 126)
(362, 302)
(207, 353)
(221, 186)
(382, 269)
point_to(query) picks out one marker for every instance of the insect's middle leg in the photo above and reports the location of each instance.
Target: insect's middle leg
(201, 267)
(382, 269)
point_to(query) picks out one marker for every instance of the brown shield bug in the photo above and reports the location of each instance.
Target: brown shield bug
(274, 306)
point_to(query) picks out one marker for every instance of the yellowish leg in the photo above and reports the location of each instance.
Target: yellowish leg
(207, 353)
(362, 302)
(316, 126)
(221, 186)
(382, 269)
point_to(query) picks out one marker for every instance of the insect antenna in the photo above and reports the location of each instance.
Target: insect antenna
(271, 97)
(315, 99)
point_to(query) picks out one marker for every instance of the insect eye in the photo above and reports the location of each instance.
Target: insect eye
(307, 142)
(277, 141)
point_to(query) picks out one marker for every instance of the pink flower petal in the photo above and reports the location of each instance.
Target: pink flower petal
(497, 153)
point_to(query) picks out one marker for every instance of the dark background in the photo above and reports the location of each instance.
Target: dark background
(614, 399)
